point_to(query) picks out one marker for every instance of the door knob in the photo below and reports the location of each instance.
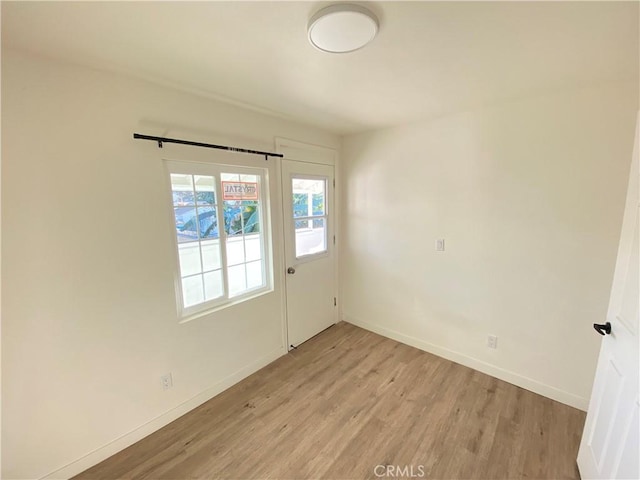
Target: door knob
(291, 270)
(603, 329)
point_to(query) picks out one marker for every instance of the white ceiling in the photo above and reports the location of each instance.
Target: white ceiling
(429, 59)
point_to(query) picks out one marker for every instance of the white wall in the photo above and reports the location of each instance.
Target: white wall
(529, 197)
(88, 320)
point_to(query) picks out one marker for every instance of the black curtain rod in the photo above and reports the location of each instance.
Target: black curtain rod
(161, 140)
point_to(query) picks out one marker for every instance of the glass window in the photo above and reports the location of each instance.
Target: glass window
(310, 216)
(220, 234)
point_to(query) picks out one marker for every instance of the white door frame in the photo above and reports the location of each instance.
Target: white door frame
(310, 153)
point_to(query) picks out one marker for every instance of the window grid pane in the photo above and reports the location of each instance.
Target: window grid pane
(204, 271)
(190, 260)
(213, 285)
(211, 255)
(255, 277)
(237, 279)
(244, 240)
(199, 257)
(192, 290)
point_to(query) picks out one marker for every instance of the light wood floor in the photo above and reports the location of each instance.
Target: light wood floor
(348, 400)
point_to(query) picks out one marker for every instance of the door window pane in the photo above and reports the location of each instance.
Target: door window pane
(300, 205)
(317, 204)
(309, 216)
(308, 197)
(312, 238)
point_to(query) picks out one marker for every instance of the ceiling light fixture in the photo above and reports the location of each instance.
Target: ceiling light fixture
(342, 28)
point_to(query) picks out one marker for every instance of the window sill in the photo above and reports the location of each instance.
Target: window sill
(229, 303)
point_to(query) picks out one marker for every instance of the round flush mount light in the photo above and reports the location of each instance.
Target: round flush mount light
(342, 28)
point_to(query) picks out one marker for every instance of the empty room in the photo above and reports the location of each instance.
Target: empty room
(320, 240)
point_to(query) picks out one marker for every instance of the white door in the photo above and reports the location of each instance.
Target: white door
(609, 447)
(309, 248)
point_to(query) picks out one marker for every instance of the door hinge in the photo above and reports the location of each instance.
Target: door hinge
(335, 301)
(334, 183)
(334, 239)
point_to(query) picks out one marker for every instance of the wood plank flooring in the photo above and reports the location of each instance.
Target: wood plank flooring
(349, 400)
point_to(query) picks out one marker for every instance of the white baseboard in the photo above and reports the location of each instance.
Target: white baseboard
(160, 421)
(527, 383)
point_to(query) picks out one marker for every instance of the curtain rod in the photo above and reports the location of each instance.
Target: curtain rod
(161, 140)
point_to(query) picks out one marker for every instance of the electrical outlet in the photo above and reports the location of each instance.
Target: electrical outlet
(440, 245)
(167, 381)
(492, 341)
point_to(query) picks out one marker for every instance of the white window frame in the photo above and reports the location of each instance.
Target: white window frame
(216, 170)
(309, 257)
